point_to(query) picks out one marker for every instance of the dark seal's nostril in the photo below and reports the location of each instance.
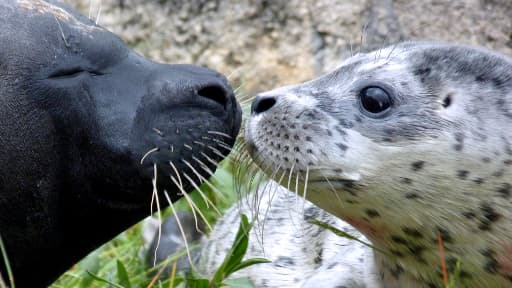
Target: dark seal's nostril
(215, 93)
(262, 104)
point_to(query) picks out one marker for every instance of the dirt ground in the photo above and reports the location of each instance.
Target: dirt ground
(262, 44)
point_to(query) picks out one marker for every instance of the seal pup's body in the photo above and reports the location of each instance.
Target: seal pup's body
(407, 144)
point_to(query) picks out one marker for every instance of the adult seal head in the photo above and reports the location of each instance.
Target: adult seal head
(78, 112)
(410, 145)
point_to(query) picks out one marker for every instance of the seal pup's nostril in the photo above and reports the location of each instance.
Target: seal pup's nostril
(262, 104)
(214, 92)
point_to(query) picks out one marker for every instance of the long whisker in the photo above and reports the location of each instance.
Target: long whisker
(220, 134)
(305, 190)
(155, 197)
(201, 193)
(99, 13)
(204, 180)
(193, 207)
(177, 175)
(173, 210)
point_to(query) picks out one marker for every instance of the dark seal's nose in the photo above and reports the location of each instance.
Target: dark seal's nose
(216, 91)
(191, 84)
(262, 104)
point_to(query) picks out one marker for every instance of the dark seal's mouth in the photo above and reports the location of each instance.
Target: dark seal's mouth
(185, 135)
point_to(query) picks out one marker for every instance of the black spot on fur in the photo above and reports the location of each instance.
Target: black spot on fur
(489, 216)
(491, 264)
(341, 131)
(342, 146)
(372, 213)
(346, 124)
(504, 190)
(459, 138)
(462, 174)
(469, 215)
(412, 232)
(447, 101)
(284, 261)
(418, 165)
(478, 181)
(405, 180)
(423, 73)
(412, 195)
(445, 235)
(398, 239)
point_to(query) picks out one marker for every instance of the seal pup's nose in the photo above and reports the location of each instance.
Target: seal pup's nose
(262, 103)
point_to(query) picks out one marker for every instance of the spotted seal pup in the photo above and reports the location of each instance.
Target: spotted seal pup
(79, 111)
(406, 147)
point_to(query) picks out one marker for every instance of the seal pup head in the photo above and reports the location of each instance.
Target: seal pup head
(79, 111)
(406, 144)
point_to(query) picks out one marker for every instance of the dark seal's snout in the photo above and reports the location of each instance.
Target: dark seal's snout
(189, 118)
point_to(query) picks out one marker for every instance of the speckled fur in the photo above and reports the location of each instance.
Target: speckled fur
(439, 163)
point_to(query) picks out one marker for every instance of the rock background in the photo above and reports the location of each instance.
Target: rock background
(264, 43)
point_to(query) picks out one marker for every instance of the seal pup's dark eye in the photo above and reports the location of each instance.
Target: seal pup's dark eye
(375, 100)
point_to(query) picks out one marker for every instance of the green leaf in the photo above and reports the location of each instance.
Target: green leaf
(122, 275)
(99, 279)
(240, 247)
(235, 254)
(198, 283)
(6, 262)
(454, 280)
(242, 282)
(345, 235)
(250, 262)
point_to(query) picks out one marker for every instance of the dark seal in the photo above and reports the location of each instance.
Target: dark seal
(78, 112)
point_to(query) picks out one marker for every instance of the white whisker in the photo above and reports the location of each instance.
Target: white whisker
(147, 154)
(220, 134)
(173, 210)
(177, 175)
(155, 198)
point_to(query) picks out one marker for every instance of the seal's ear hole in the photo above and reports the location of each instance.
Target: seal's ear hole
(447, 101)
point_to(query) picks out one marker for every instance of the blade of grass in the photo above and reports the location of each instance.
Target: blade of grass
(346, 235)
(99, 279)
(122, 275)
(6, 262)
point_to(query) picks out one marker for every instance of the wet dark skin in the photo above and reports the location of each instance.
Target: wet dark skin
(78, 112)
